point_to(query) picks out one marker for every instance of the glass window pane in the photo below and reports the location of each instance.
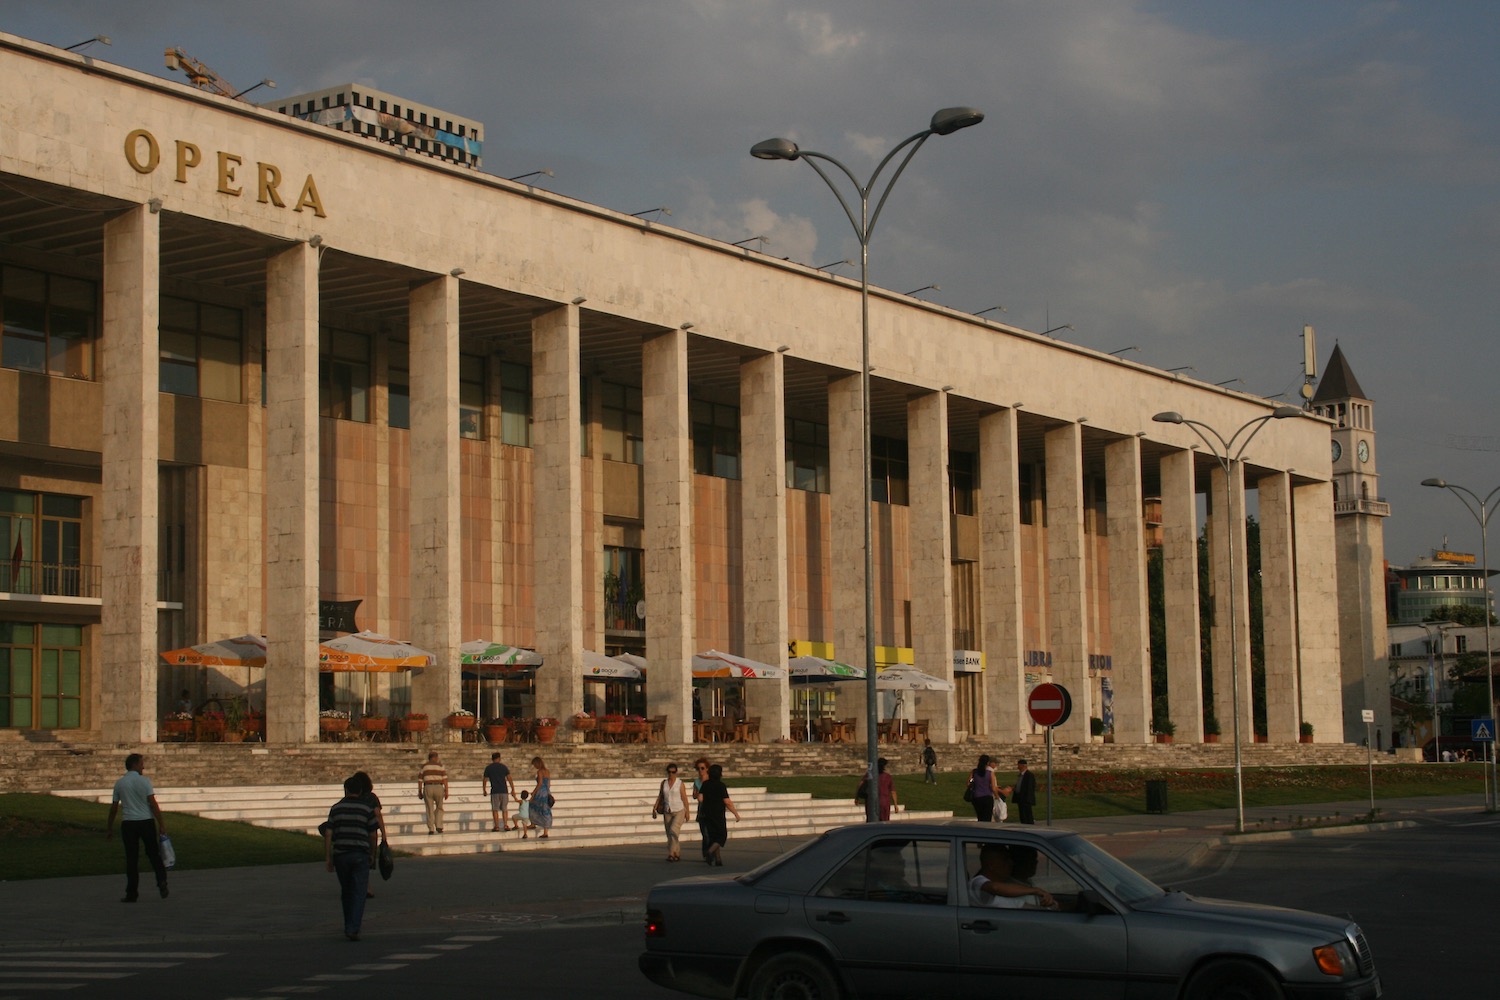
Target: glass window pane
(62, 635)
(22, 282)
(73, 293)
(179, 379)
(221, 321)
(179, 346)
(20, 712)
(20, 670)
(178, 314)
(70, 349)
(15, 502)
(398, 403)
(219, 377)
(69, 716)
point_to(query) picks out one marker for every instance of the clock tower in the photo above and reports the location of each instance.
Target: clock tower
(1359, 513)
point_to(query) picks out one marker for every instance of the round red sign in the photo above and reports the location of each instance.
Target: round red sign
(1049, 704)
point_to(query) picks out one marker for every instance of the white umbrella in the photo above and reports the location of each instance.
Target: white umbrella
(598, 667)
(904, 678)
(816, 667)
(716, 664)
(482, 658)
(639, 662)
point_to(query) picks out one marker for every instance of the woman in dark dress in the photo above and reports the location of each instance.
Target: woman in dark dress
(713, 805)
(982, 782)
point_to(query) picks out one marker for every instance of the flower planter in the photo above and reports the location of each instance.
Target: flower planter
(1163, 738)
(234, 736)
(1261, 738)
(253, 727)
(1305, 739)
(412, 725)
(1210, 737)
(638, 728)
(177, 727)
(546, 734)
(496, 734)
(584, 723)
(333, 725)
(612, 727)
(372, 725)
(461, 722)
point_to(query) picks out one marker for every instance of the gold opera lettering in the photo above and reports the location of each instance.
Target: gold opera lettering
(143, 153)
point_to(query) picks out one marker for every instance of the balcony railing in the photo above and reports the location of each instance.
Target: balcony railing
(620, 616)
(1363, 505)
(46, 579)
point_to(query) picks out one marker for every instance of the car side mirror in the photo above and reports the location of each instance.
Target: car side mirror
(1092, 904)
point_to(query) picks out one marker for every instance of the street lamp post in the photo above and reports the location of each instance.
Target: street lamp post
(1481, 509)
(1228, 457)
(1436, 674)
(944, 122)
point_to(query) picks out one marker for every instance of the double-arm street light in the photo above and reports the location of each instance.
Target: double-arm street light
(944, 122)
(1481, 509)
(1228, 456)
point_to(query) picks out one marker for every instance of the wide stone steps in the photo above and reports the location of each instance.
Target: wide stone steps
(589, 813)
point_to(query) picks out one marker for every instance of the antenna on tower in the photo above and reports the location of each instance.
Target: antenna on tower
(1309, 360)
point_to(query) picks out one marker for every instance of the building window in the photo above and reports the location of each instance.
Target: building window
(1027, 480)
(515, 404)
(48, 323)
(888, 470)
(962, 479)
(806, 455)
(344, 374)
(620, 410)
(716, 439)
(200, 348)
(398, 386)
(42, 538)
(624, 587)
(471, 397)
(1461, 644)
(41, 675)
(584, 420)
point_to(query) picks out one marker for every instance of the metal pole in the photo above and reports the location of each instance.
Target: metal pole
(1049, 775)
(1489, 652)
(1230, 473)
(872, 706)
(1370, 764)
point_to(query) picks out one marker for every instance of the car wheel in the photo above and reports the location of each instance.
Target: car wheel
(1231, 979)
(794, 977)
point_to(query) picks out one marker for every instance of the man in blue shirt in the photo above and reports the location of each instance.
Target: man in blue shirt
(140, 822)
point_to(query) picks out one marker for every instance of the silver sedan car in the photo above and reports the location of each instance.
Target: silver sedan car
(966, 909)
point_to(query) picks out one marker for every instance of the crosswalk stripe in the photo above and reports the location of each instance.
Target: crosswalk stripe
(114, 954)
(31, 974)
(6, 963)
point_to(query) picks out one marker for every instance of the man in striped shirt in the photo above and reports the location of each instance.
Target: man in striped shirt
(432, 789)
(350, 838)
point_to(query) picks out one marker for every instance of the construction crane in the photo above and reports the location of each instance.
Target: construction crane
(200, 76)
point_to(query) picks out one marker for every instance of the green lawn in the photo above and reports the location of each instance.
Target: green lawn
(1122, 793)
(48, 837)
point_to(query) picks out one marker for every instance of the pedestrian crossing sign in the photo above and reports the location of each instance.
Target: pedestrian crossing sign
(1482, 730)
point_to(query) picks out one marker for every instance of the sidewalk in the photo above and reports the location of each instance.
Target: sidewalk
(536, 889)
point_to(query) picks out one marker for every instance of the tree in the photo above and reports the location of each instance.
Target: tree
(1460, 614)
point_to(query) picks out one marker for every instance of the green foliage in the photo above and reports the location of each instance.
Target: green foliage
(1210, 723)
(1306, 729)
(1096, 726)
(49, 837)
(1460, 614)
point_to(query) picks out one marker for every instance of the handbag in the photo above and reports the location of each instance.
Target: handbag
(969, 792)
(386, 860)
(660, 807)
(551, 801)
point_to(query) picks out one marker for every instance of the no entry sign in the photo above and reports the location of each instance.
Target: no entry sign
(1049, 704)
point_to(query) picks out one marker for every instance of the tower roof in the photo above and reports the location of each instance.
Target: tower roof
(1338, 380)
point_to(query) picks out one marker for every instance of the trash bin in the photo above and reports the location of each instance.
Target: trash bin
(1156, 796)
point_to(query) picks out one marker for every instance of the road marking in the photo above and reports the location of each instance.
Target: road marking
(378, 966)
(410, 956)
(336, 977)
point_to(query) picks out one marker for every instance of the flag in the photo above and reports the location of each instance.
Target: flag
(15, 565)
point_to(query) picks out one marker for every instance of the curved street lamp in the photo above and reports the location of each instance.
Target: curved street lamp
(1228, 456)
(944, 122)
(1481, 509)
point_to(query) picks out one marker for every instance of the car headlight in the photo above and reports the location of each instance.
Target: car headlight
(1335, 959)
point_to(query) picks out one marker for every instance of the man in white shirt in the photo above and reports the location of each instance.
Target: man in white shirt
(996, 885)
(140, 821)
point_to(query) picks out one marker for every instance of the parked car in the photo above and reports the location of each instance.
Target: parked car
(886, 910)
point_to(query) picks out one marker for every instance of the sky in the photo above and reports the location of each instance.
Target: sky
(1190, 179)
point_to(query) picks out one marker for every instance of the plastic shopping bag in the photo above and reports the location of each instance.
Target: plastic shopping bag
(167, 851)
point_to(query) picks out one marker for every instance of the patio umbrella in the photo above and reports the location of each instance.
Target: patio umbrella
(598, 667)
(716, 664)
(481, 658)
(370, 653)
(639, 662)
(816, 670)
(241, 651)
(904, 678)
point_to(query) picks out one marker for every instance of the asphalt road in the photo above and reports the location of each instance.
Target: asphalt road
(1421, 894)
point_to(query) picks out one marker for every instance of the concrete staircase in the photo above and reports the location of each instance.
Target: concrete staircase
(590, 812)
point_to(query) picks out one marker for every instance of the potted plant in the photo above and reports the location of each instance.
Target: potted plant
(1305, 734)
(177, 724)
(1260, 732)
(636, 725)
(461, 718)
(373, 722)
(584, 722)
(233, 717)
(412, 722)
(496, 730)
(210, 723)
(546, 730)
(1165, 729)
(634, 595)
(612, 598)
(1210, 727)
(1096, 729)
(611, 725)
(253, 723)
(331, 720)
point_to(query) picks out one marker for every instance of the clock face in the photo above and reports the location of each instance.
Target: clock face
(1338, 450)
(1364, 451)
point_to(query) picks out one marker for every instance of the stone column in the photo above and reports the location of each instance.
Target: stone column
(128, 517)
(1179, 550)
(292, 472)
(931, 558)
(1067, 621)
(1226, 529)
(763, 543)
(557, 510)
(1000, 576)
(1278, 595)
(1317, 610)
(436, 543)
(1129, 617)
(670, 617)
(846, 505)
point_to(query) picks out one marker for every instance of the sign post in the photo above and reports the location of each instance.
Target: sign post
(1049, 705)
(1483, 731)
(1368, 715)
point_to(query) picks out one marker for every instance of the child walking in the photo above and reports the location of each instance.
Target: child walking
(523, 815)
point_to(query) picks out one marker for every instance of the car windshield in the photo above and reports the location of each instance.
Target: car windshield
(1111, 874)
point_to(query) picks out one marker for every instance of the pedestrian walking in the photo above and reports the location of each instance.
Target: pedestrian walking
(351, 838)
(141, 823)
(1025, 793)
(432, 789)
(929, 763)
(672, 806)
(713, 805)
(494, 783)
(541, 799)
